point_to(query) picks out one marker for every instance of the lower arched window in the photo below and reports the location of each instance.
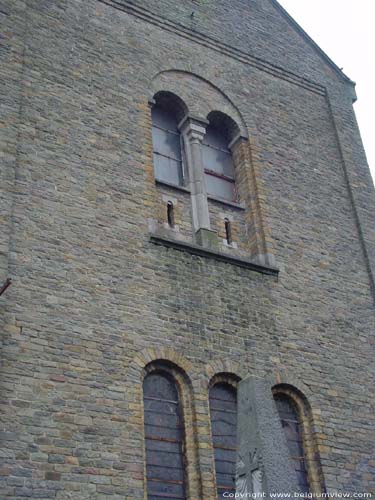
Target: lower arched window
(223, 412)
(291, 424)
(164, 438)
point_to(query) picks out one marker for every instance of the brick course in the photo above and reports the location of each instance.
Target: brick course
(93, 301)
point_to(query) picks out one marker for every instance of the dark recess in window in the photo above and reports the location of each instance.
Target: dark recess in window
(291, 424)
(164, 438)
(228, 231)
(223, 412)
(166, 138)
(170, 214)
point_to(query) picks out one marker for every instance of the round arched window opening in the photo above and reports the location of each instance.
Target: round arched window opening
(164, 437)
(217, 158)
(223, 413)
(166, 113)
(292, 427)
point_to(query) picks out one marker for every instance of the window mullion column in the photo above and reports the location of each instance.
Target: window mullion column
(193, 131)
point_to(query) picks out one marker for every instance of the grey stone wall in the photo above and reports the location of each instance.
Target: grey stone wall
(93, 298)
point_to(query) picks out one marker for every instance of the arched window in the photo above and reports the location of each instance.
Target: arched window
(166, 139)
(164, 438)
(223, 412)
(291, 423)
(218, 163)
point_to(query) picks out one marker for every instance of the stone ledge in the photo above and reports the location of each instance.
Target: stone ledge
(184, 189)
(183, 246)
(232, 204)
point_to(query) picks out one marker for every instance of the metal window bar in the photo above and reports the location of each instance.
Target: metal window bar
(224, 463)
(167, 471)
(289, 415)
(171, 157)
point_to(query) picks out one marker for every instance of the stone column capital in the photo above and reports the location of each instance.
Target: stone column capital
(193, 128)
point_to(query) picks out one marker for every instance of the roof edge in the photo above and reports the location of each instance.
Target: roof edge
(321, 52)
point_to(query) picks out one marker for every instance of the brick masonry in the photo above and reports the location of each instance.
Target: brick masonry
(93, 301)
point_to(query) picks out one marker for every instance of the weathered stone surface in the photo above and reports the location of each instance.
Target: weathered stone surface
(93, 300)
(261, 467)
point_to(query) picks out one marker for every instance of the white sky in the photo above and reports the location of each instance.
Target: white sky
(345, 30)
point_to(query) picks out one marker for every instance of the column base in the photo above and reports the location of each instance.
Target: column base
(207, 238)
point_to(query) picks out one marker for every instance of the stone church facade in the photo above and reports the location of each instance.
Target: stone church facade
(185, 205)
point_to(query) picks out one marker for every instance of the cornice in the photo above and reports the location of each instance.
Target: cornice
(209, 42)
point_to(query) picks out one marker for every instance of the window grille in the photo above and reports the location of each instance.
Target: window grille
(166, 140)
(290, 421)
(218, 165)
(164, 438)
(223, 412)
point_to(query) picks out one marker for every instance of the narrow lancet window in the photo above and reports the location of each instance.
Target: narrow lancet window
(228, 231)
(291, 423)
(223, 412)
(166, 140)
(218, 165)
(164, 438)
(170, 214)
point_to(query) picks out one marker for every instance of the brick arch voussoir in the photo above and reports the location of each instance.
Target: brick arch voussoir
(295, 383)
(229, 366)
(150, 354)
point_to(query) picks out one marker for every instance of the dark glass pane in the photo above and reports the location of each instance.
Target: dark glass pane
(215, 152)
(162, 432)
(164, 473)
(218, 161)
(223, 479)
(221, 188)
(224, 393)
(167, 170)
(215, 138)
(164, 438)
(230, 455)
(162, 446)
(167, 146)
(291, 430)
(223, 412)
(164, 119)
(156, 487)
(166, 458)
(157, 406)
(163, 419)
(291, 425)
(286, 408)
(166, 143)
(159, 386)
(224, 467)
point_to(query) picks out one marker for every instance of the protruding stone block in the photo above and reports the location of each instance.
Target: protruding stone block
(263, 466)
(207, 238)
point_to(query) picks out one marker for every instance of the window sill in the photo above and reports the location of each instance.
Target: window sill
(183, 246)
(233, 204)
(173, 186)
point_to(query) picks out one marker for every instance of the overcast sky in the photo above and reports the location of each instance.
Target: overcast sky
(345, 30)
